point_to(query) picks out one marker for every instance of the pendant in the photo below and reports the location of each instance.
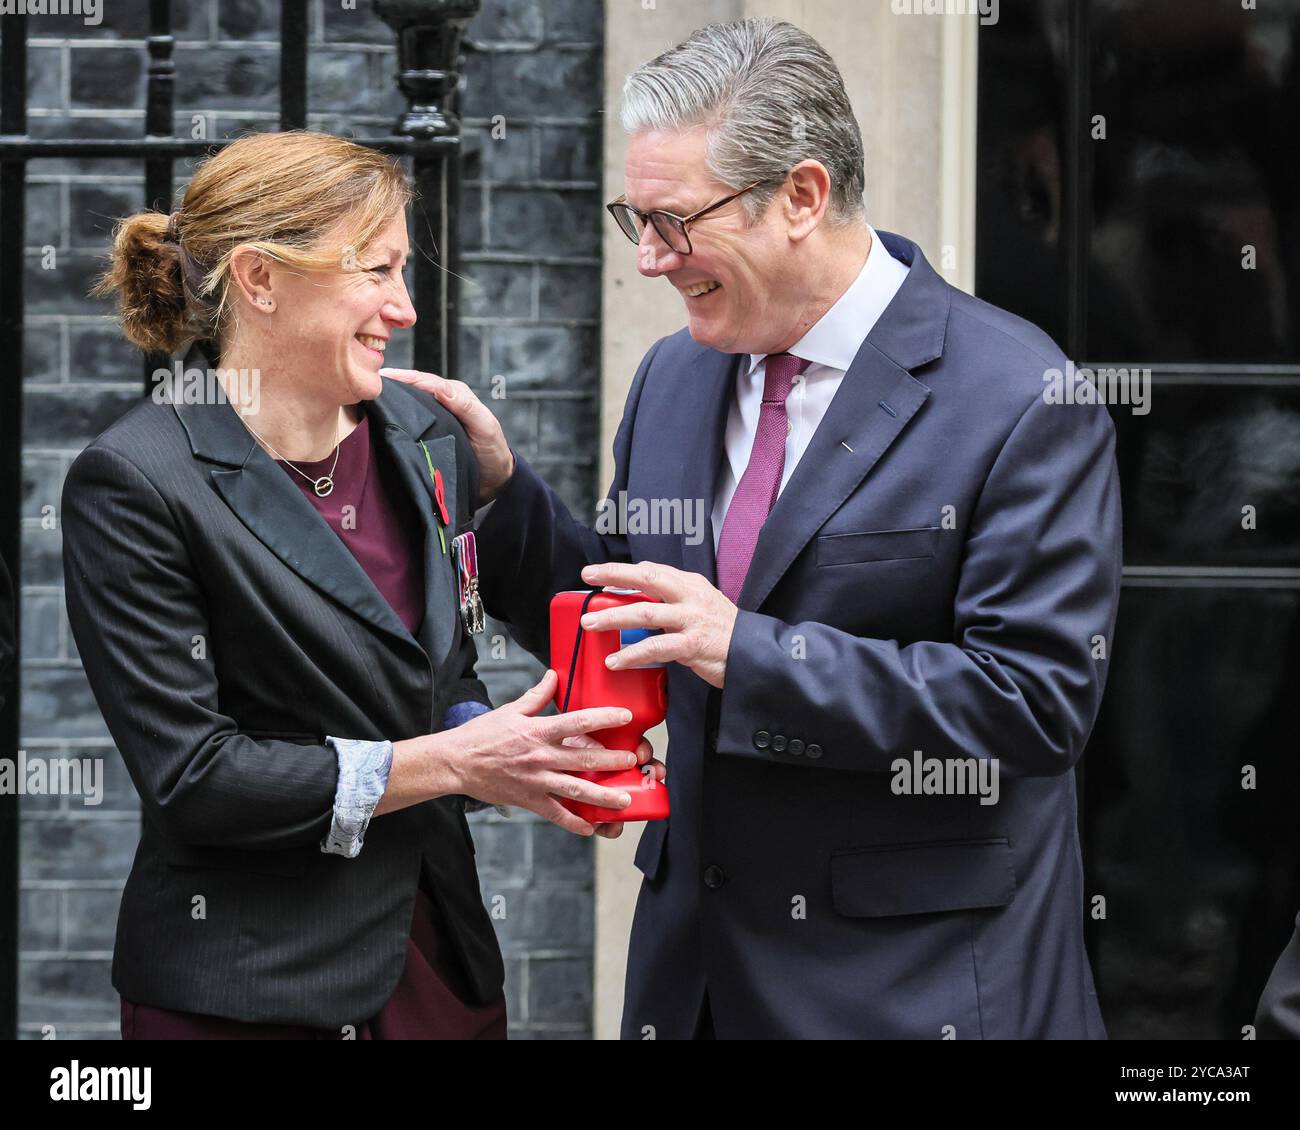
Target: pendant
(323, 486)
(472, 611)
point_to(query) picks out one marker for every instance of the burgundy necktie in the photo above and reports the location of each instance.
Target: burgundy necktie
(761, 481)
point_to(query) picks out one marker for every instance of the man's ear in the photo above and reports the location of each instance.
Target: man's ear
(806, 195)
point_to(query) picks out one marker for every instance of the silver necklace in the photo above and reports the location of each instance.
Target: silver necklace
(322, 486)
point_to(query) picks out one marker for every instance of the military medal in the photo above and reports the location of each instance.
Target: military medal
(465, 551)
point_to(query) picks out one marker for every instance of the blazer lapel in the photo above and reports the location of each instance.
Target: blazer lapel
(273, 508)
(869, 411)
(409, 430)
(703, 405)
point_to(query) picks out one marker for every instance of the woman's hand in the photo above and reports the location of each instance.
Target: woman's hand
(495, 459)
(510, 756)
(644, 757)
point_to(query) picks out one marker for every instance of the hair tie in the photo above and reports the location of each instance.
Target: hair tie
(172, 235)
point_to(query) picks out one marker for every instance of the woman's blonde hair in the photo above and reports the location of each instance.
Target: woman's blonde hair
(284, 194)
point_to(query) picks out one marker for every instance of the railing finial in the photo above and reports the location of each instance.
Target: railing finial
(429, 35)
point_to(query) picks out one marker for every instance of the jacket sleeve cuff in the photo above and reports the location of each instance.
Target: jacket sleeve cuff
(483, 511)
(458, 713)
(363, 776)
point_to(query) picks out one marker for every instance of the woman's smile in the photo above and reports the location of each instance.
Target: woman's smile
(373, 344)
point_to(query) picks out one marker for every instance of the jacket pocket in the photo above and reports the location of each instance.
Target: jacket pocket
(877, 545)
(922, 878)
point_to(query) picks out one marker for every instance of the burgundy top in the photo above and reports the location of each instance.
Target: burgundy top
(385, 536)
(383, 531)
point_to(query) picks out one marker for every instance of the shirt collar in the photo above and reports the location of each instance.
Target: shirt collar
(835, 339)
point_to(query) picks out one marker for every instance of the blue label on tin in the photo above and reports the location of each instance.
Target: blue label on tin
(628, 636)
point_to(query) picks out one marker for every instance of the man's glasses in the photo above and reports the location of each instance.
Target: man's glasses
(672, 229)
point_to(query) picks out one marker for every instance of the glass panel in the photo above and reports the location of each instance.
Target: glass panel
(1020, 248)
(1195, 248)
(1192, 466)
(1201, 876)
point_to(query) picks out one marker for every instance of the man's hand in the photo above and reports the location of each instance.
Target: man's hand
(496, 462)
(696, 619)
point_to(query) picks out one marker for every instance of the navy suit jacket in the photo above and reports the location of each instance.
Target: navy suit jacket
(1278, 1015)
(940, 574)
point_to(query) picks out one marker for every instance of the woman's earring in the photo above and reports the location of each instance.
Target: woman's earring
(269, 303)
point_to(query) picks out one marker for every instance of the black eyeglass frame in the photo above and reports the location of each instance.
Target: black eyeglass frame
(621, 206)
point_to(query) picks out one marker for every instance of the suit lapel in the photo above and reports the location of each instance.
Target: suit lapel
(441, 599)
(855, 432)
(869, 411)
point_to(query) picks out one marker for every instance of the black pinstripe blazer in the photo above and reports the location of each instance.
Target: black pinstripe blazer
(226, 630)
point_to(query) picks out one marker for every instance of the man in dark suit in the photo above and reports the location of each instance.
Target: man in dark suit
(1278, 1015)
(910, 583)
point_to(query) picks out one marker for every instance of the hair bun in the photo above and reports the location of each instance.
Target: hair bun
(145, 269)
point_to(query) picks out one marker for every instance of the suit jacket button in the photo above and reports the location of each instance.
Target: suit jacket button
(714, 877)
(778, 743)
(796, 747)
(814, 750)
(762, 739)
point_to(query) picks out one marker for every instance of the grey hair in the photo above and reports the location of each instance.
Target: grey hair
(770, 97)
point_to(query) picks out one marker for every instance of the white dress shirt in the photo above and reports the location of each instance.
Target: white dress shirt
(831, 344)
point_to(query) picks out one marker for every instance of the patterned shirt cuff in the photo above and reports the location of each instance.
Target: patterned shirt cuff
(363, 776)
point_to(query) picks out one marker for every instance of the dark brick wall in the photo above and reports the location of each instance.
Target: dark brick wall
(531, 316)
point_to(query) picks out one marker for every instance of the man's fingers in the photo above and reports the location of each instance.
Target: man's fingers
(464, 404)
(642, 615)
(454, 395)
(655, 769)
(668, 648)
(611, 830)
(644, 751)
(427, 382)
(650, 577)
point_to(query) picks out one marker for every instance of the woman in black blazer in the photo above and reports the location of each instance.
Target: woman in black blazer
(261, 564)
